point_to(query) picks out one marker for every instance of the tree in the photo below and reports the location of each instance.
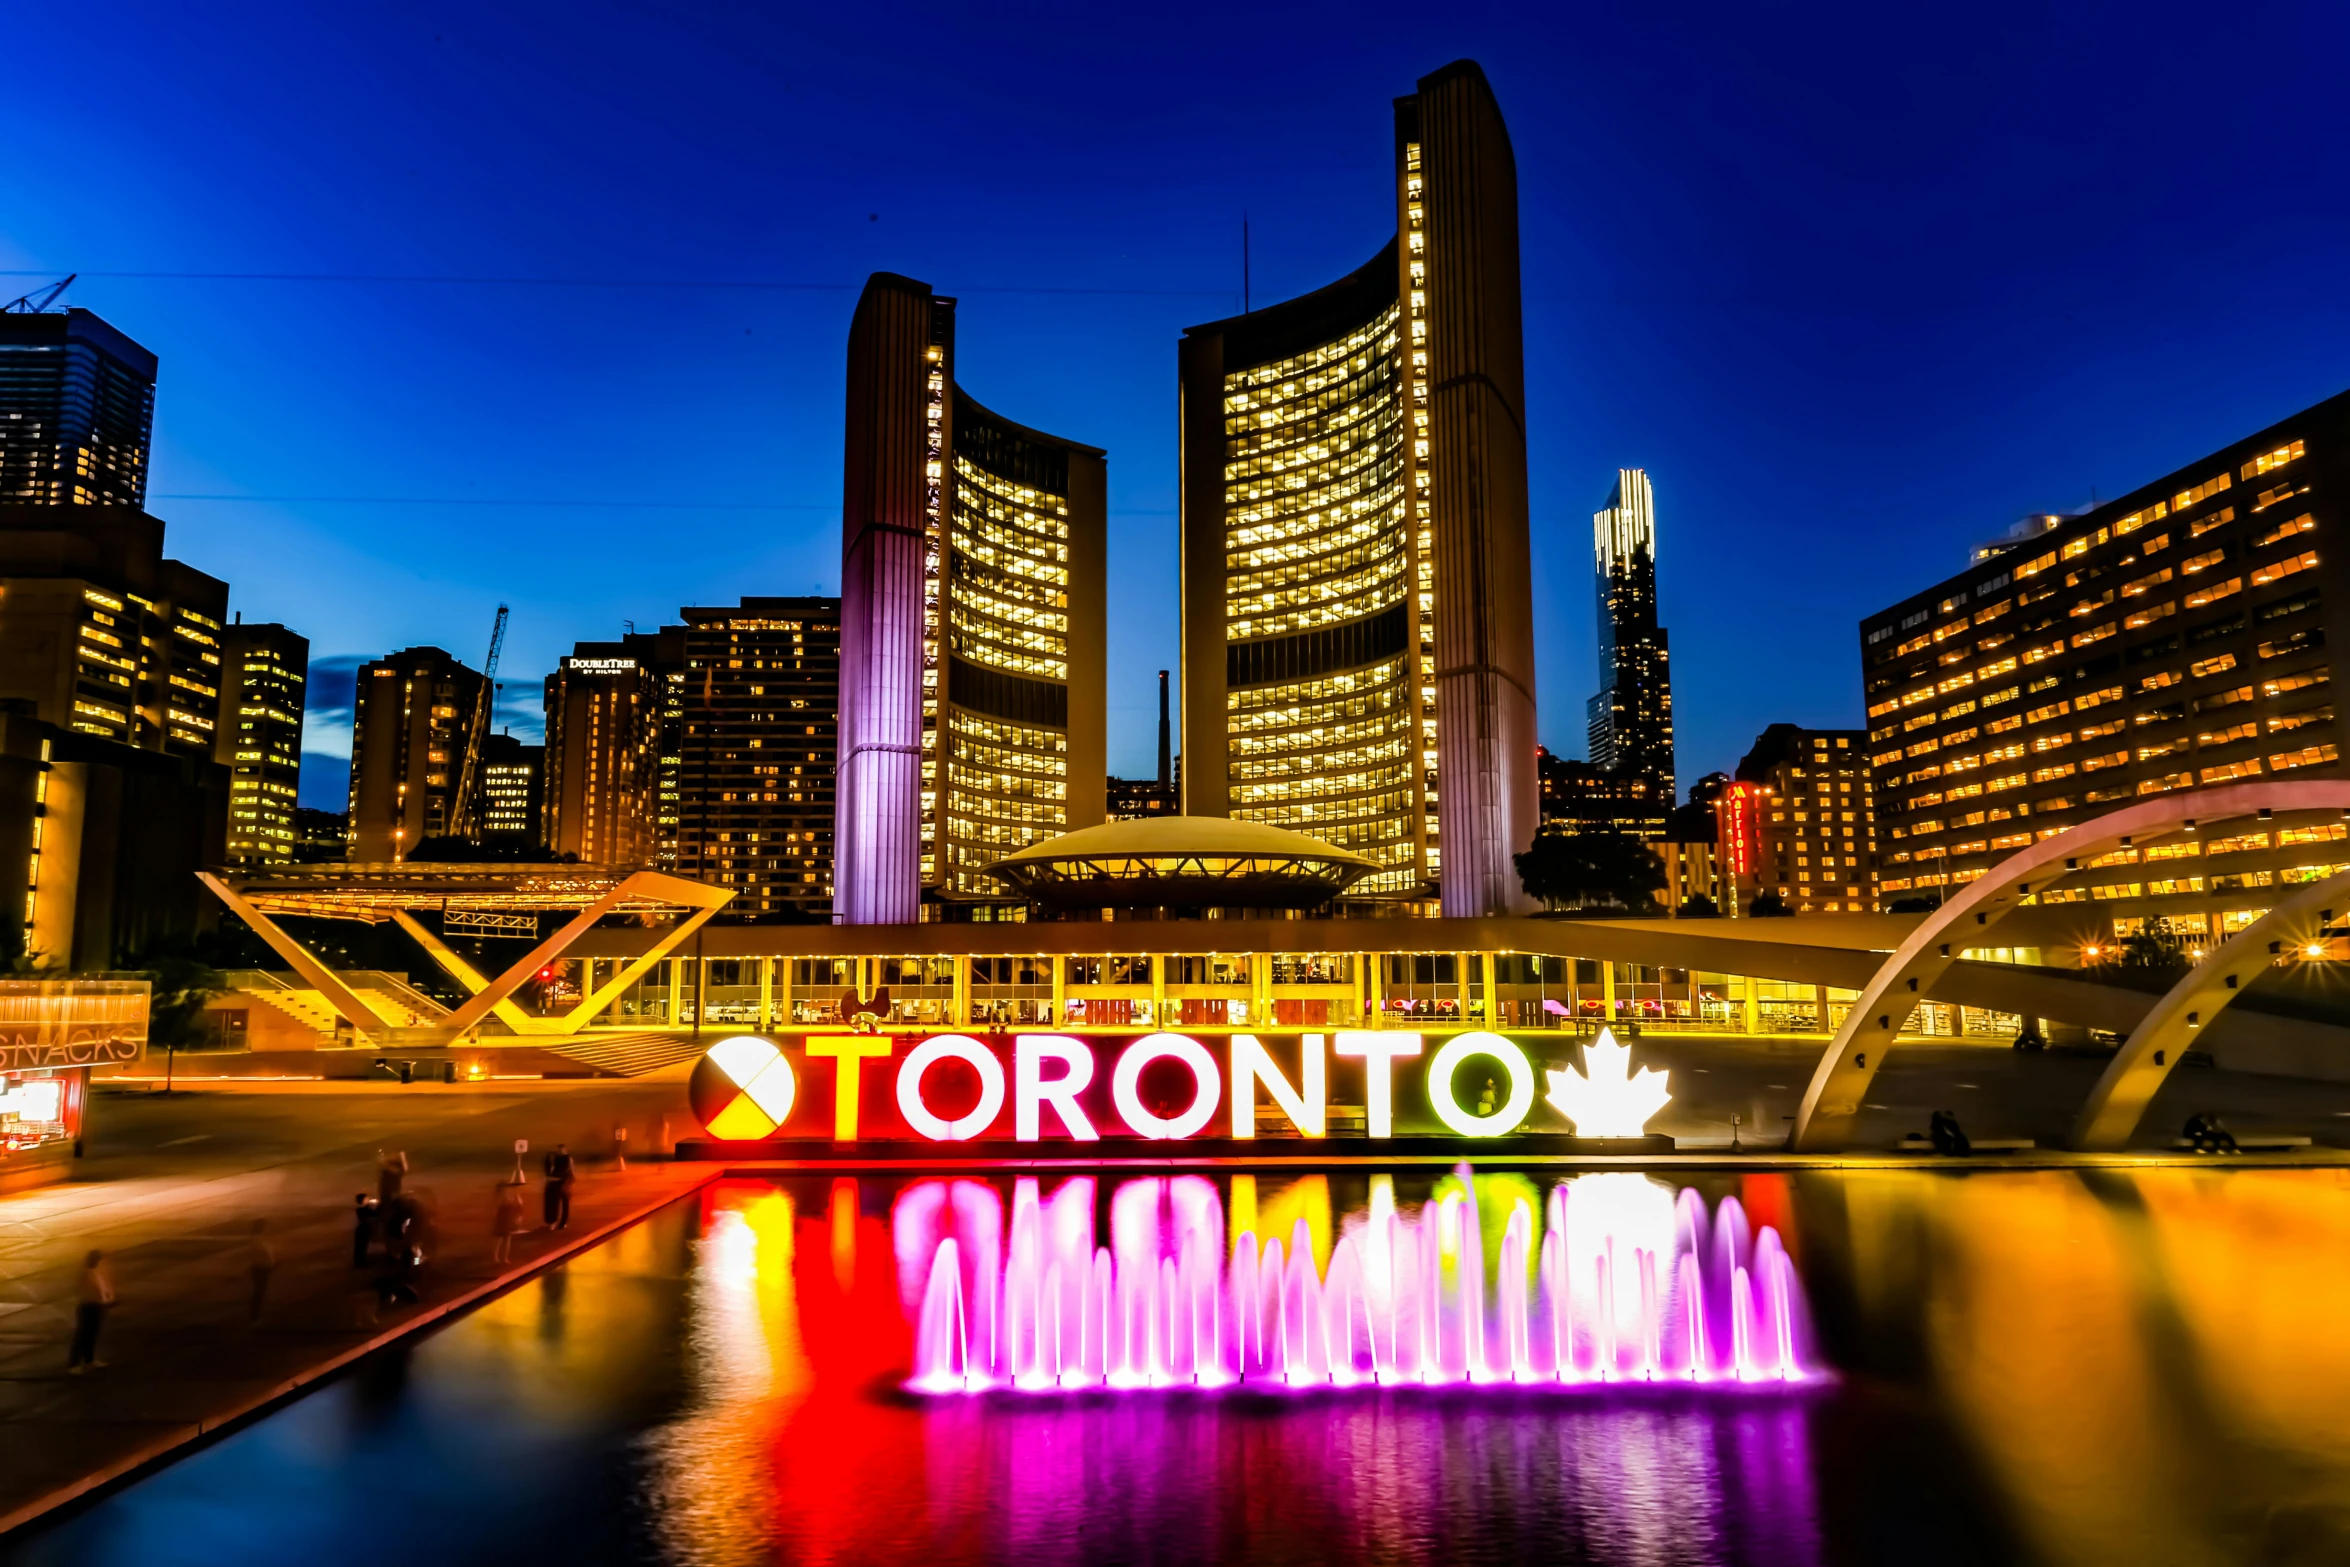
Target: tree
(1584, 869)
(2153, 948)
(1768, 905)
(1701, 907)
(1925, 905)
(179, 982)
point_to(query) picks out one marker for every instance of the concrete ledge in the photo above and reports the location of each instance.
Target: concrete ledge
(178, 1437)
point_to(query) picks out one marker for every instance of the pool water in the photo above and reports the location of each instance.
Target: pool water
(2063, 1367)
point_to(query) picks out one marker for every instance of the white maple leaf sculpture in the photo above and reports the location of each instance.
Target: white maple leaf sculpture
(1613, 1100)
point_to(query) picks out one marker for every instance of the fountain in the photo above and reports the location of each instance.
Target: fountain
(1618, 1281)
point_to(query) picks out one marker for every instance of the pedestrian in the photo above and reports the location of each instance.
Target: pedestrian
(365, 1211)
(260, 1263)
(505, 1221)
(403, 1253)
(93, 1298)
(391, 1170)
(557, 1168)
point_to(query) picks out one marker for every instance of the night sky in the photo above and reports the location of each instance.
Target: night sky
(547, 304)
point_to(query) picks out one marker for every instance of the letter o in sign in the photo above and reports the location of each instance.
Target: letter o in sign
(928, 1054)
(1126, 1083)
(1514, 1065)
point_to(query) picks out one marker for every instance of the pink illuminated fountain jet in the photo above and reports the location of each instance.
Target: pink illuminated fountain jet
(1617, 1281)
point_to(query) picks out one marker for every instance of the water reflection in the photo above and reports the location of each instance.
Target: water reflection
(2059, 1368)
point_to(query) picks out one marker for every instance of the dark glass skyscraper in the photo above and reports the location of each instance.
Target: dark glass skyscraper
(77, 411)
(1631, 716)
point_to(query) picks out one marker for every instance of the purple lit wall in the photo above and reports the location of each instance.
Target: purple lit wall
(877, 824)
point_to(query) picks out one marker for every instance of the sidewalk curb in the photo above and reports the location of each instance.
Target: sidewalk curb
(160, 1451)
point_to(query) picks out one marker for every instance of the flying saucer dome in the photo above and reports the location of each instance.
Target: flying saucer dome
(1181, 862)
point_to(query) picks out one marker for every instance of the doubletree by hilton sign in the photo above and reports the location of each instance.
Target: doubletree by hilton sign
(1029, 1088)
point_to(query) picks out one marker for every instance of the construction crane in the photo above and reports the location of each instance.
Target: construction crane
(469, 774)
(40, 299)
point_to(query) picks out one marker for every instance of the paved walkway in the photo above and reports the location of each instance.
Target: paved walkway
(170, 1192)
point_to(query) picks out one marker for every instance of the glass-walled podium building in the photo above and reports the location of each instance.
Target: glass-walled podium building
(1358, 643)
(972, 622)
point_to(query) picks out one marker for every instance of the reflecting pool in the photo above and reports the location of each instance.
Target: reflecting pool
(2062, 1367)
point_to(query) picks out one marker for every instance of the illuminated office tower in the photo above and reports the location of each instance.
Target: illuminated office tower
(264, 670)
(1358, 648)
(410, 721)
(971, 692)
(1631, 716)
(77, 410)
(513, 776)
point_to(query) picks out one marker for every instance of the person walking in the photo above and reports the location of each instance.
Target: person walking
(365, 1210)
(391, 1172)
(558, 1170)
(260, 1264)
(93, 1298)
(505, 1222)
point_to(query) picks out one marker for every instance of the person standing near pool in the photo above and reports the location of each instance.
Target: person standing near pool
(557, 1207)
(93, 1298)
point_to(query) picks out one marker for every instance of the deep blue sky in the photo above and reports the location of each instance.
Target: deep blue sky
(1858, 288)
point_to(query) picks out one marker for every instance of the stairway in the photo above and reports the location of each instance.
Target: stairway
(626, 1055)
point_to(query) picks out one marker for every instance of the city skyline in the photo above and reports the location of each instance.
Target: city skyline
(1766, 359)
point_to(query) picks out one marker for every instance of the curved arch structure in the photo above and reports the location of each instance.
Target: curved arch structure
(2151, 1053)
(1832, 1102)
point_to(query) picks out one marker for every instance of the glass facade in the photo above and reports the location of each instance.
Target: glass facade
(1322, 641)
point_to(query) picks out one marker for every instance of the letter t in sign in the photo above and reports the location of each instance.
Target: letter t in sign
(852, 1051)
(1379, 1052)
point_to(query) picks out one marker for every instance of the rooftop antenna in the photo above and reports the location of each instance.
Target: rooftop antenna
(38, 301)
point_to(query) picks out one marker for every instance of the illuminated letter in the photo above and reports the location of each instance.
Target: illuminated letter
(1029, 1089)
(1207, 1082)
(1379, 1053)
(929, 1053)
(852, 1051)
(1513, 1061)
(1253, 1064)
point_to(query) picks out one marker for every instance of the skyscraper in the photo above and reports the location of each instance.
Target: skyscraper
(513, 779)
(972, 623)
(1358, 649)
(264, 671)
(601, 797)
(1631, 716)
(411, 717)
(758, 749)
(77, 411)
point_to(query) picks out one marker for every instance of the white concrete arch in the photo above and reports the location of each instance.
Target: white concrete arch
(2151, 1053)
(1832, 1102)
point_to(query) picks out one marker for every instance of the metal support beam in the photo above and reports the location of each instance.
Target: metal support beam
(315, 974)
(509, 1013)
(1831, 1105)
(2147, 1058)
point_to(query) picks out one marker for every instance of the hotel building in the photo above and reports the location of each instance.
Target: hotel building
(265, 670)
(1631, 715)
(1358, 652)
(2182, 636)
(603, 756)
(972, 624)
(1801, 822)
(757, 746)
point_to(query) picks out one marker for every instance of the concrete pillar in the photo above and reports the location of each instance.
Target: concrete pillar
(676, 990)
(1819, 1001)
(1607, 991)
(1753, 1004)
(766, 994)
(1372, 978)
(1060, 990)
(959, 1005)
(1492, 992)
(1159, 991)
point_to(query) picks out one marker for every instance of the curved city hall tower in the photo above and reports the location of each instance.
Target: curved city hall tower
(1358, 621)
(971, 684)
